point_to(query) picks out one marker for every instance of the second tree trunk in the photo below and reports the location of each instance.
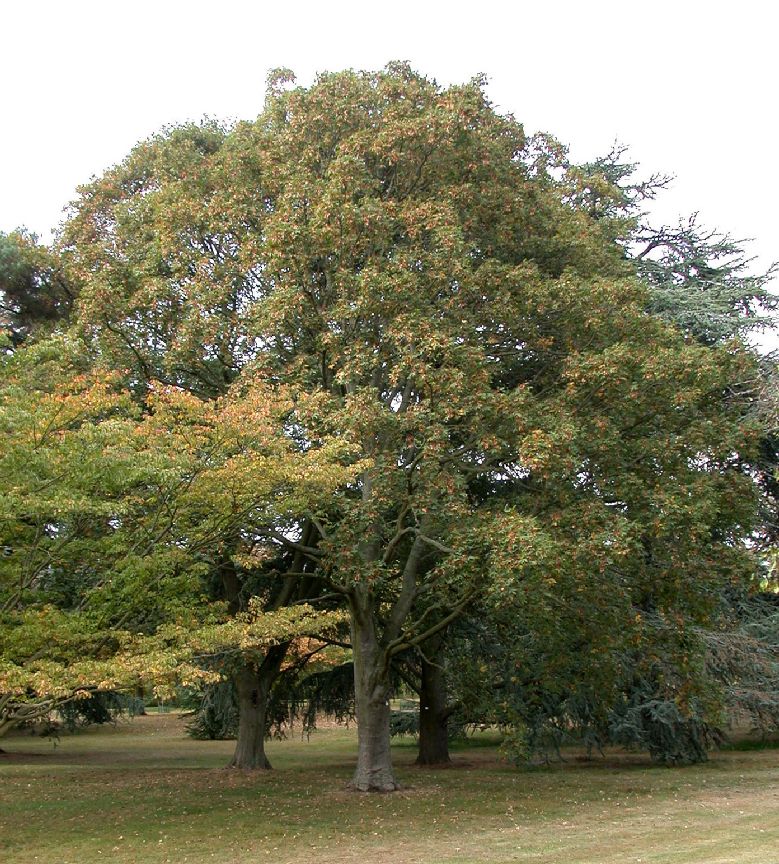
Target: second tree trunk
(433, 711)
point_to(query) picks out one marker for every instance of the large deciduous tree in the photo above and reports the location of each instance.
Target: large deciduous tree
(107, 526)
(429, 285)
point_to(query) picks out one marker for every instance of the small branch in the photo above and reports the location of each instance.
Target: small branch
(311, 551)
(435, 544)
(401, 644)
(394, 542)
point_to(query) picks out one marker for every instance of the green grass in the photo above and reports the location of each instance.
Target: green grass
(144, 793)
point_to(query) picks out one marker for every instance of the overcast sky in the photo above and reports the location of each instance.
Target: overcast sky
(690, 86)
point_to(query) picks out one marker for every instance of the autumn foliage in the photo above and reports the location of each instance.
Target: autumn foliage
(374, 352)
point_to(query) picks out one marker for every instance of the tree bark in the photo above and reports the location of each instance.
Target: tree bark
(374, 771)
(433, 710)
(253, 686)
(252, 689)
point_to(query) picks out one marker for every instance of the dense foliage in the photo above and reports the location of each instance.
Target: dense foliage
(379, 352)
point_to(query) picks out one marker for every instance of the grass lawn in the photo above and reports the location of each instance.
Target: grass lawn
(142, 792)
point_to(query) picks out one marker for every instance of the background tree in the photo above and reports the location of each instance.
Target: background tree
(35, 294)
(699, 282)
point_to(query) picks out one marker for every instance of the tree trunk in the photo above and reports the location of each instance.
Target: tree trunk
(252, 685)
(433, 713)
(252, 688)
(372, 691)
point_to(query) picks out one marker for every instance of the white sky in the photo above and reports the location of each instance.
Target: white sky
(690, 86)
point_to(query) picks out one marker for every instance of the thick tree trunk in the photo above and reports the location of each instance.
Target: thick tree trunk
(433, 712)
(372, 691)
(252, 689)
(252, 685)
